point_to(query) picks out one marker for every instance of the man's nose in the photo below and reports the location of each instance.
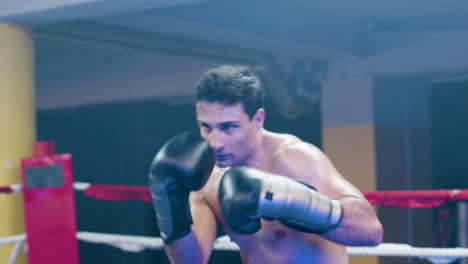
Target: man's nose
(216, 141)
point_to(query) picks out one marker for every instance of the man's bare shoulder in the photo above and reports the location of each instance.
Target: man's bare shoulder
(303, 161)
(290, 147)
(300, 160)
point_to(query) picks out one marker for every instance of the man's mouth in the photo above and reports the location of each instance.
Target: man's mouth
(223, 157)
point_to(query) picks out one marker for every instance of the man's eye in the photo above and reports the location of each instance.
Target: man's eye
(204, 126)
(228, 127)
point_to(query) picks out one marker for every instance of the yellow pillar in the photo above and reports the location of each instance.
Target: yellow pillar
(17, 124)
(348, 135)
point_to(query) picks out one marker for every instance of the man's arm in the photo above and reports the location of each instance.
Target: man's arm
(196, 247)
(179, 169)
(359, 224)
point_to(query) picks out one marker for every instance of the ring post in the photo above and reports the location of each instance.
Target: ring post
(49, 203)
(462, 212)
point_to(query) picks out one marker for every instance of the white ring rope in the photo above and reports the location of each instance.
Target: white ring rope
(18, 241)
(140, 243)
(15, 252)
(79, 186)
(12, 239)
(124, 242)
(17, 187)
(434, 255)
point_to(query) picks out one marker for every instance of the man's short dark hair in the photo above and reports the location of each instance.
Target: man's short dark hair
(230, 85)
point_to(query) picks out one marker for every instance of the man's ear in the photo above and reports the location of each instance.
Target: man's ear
(259, 118)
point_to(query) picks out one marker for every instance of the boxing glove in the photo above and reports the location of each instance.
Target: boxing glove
(182, 165)
(247, 194)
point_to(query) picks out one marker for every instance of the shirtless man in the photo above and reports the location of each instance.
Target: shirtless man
(277, 197)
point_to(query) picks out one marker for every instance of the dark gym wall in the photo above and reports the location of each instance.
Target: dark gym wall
(403, 156)
(450, 152)
(421, 143)
(114, 143)
(450, 134)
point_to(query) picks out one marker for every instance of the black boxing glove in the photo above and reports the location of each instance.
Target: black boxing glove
(247, 194)
(182, 165)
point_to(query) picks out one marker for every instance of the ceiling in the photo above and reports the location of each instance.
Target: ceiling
(322, 28)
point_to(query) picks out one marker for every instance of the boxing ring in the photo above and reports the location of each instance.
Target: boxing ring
(55, 172)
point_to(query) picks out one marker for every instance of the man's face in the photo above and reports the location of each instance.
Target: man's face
(228, 130)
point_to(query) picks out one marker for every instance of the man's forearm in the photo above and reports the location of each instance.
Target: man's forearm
(359, 226)
(185, 250)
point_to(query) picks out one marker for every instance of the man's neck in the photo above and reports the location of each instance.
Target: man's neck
(258, 155)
